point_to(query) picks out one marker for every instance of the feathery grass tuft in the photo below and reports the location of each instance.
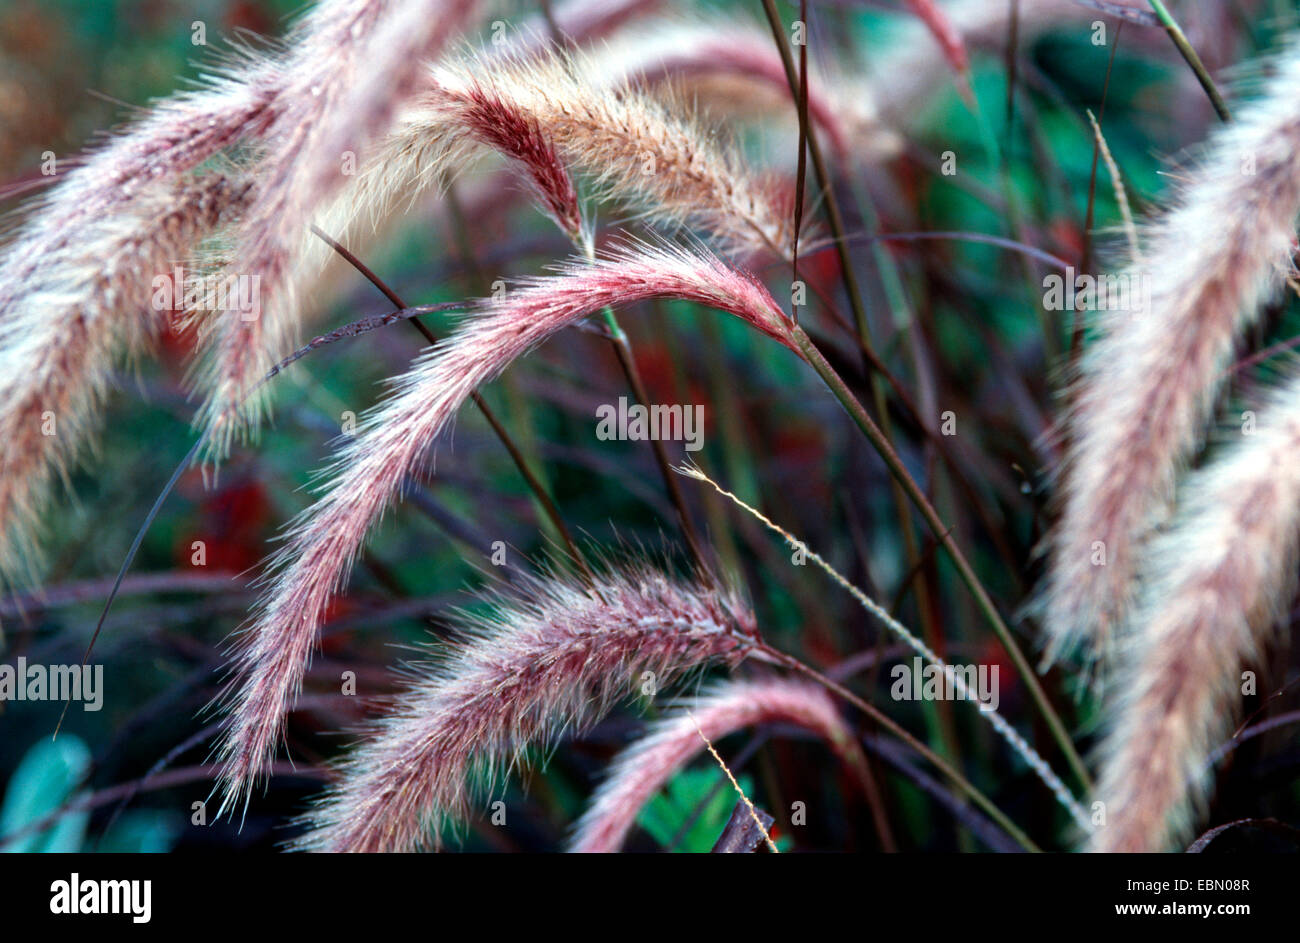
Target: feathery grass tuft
(638, 150)
(351, 62)
(550, 661)
(89, 303)
(1215, 587)
(1148, 384)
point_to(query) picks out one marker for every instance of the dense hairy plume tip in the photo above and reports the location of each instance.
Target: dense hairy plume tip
(1215, 586)
(1149, 382)
(550, 115)
(395, 442)
(642, 769)
(549, 661)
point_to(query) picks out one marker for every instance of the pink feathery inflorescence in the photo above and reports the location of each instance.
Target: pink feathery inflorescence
(73, 231)
(395, 442)
(537, 667)
(1149, 383)
(352, 64)
(729, 66)
(177, 135)
(546, 113)
(1215, 587)
(443, 131)
(645, 766)
(89, 303)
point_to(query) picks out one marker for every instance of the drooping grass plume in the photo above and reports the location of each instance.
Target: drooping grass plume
(88, 304)
(1149, 382)
(445, 131)
(1215, 587)
(394, 443)
(644, 767)
(75, 278)
(350, 64)
(638, 150)
(731, 67)
(173, 138)
(549, 661)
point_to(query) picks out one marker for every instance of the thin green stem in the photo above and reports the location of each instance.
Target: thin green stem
(939, 717)
(623, 348)
(1189, 54)
(624, 351)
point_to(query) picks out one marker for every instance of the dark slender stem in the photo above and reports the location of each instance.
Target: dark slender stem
(833, 217)
(798, 82)
(1085, 258)
(885, 721)
(941, 533)
(624, 351)
(558, 37)
(539, 491)
(801, 169)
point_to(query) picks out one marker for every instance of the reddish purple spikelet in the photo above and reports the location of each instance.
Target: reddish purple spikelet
(518, 135)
